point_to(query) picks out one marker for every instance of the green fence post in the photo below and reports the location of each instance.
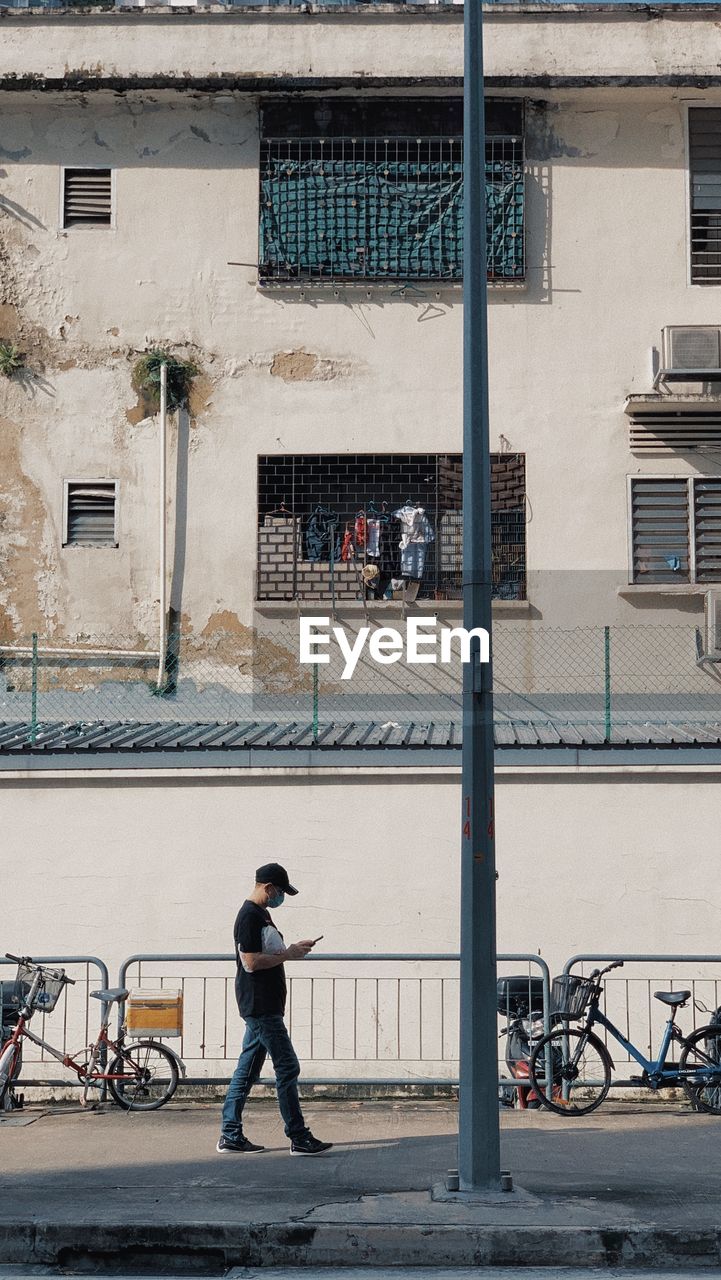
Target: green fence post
(607, 682)
(34, 693)
(315, 703)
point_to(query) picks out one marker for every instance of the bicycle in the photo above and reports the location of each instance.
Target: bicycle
(583, 1065)
(142, 1076)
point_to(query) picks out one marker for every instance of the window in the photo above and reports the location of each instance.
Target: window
(327, 530)
(87, 198)
(90, 513)
(676, 529)
(373, 190)
(704, 129)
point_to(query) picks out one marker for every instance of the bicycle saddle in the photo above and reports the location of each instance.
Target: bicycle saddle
(114, 993)
(675, 998)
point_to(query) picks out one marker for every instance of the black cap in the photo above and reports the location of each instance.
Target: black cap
(273, 873)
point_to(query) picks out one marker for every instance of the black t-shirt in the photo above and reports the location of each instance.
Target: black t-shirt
(261, 992)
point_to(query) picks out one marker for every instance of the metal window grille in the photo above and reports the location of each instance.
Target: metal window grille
(378, 208)
(291, 488)
(676, 529)
(705, 164)
(90, 515)
(87, 198)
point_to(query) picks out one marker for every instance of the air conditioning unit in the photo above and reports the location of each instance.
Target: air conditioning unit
(694, 350)
(712, 618)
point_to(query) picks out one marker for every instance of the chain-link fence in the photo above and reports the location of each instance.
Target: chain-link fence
(607, 683)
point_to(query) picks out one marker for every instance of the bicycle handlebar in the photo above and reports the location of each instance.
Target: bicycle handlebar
(28, 960)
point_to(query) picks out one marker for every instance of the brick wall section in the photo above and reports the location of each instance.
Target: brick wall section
(508, 481)
(282, 576)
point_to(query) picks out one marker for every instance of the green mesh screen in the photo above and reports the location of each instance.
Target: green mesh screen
(346, 208)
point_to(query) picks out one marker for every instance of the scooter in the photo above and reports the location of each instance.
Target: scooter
(520, 1001)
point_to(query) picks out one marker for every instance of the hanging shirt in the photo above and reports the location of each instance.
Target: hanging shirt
(416, 533)
(415, 526)
(361, 529)
(373, 526)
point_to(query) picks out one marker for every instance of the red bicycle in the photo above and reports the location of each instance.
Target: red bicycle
(141, 1076)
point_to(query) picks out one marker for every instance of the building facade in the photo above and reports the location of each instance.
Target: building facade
(273, 196)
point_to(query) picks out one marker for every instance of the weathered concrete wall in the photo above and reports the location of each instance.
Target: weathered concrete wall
(322, 373)
(520, 43)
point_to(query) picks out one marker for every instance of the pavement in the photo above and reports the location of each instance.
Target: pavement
(632, 1186)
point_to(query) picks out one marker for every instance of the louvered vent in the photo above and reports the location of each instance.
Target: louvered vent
(87, 199)
(704, 125)
(659, 514)
(707, 494)
(660, 424)
(91, 514)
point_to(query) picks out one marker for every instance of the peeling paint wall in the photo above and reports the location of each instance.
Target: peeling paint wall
(281, 372)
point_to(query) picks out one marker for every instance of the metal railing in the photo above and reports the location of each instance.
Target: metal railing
(628, 1000)
(72, 1024)
(399, 1025)
(359, 1011)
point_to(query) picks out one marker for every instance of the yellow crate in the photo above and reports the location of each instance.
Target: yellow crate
(154, 1013)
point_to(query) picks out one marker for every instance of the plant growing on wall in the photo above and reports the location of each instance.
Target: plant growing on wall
(146, 378)
(11, 359)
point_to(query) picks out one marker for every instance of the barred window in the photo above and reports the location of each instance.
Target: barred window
(356, 197)
(328, 526)
(704, 129)
(676, 529)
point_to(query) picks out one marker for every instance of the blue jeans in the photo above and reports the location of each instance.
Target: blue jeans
(264, 1036)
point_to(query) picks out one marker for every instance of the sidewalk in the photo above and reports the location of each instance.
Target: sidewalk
(630, 1185)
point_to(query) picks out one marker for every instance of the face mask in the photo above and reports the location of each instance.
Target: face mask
(276, 901)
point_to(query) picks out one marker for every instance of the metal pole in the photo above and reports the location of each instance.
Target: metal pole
(34, 693)
(162, 570)
(478, 1139)
(607, 682)
(315, 702)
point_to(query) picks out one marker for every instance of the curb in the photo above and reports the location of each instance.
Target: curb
(223, 1245)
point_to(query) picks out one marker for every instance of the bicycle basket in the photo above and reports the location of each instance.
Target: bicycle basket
(571, 995)
(48, 992)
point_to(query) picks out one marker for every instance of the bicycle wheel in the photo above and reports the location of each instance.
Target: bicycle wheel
(149, 1076)
(10, 1069)
(581, 1068)
(700, 1071)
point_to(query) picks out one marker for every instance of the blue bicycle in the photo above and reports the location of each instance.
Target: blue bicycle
(582, 1065)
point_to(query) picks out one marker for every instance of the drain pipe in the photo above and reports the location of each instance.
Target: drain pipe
(163, 621)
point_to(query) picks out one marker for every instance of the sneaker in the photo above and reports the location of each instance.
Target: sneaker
(226, 1144)
(306, 1145)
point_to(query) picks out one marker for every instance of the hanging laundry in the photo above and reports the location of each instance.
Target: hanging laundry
(373, 545)
(347, 551)
(322, 539)
(416, 534)
(361, 530)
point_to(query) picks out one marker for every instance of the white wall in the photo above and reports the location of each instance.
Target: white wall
(607, 860)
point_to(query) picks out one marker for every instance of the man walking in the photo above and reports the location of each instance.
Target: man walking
(260, 990)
